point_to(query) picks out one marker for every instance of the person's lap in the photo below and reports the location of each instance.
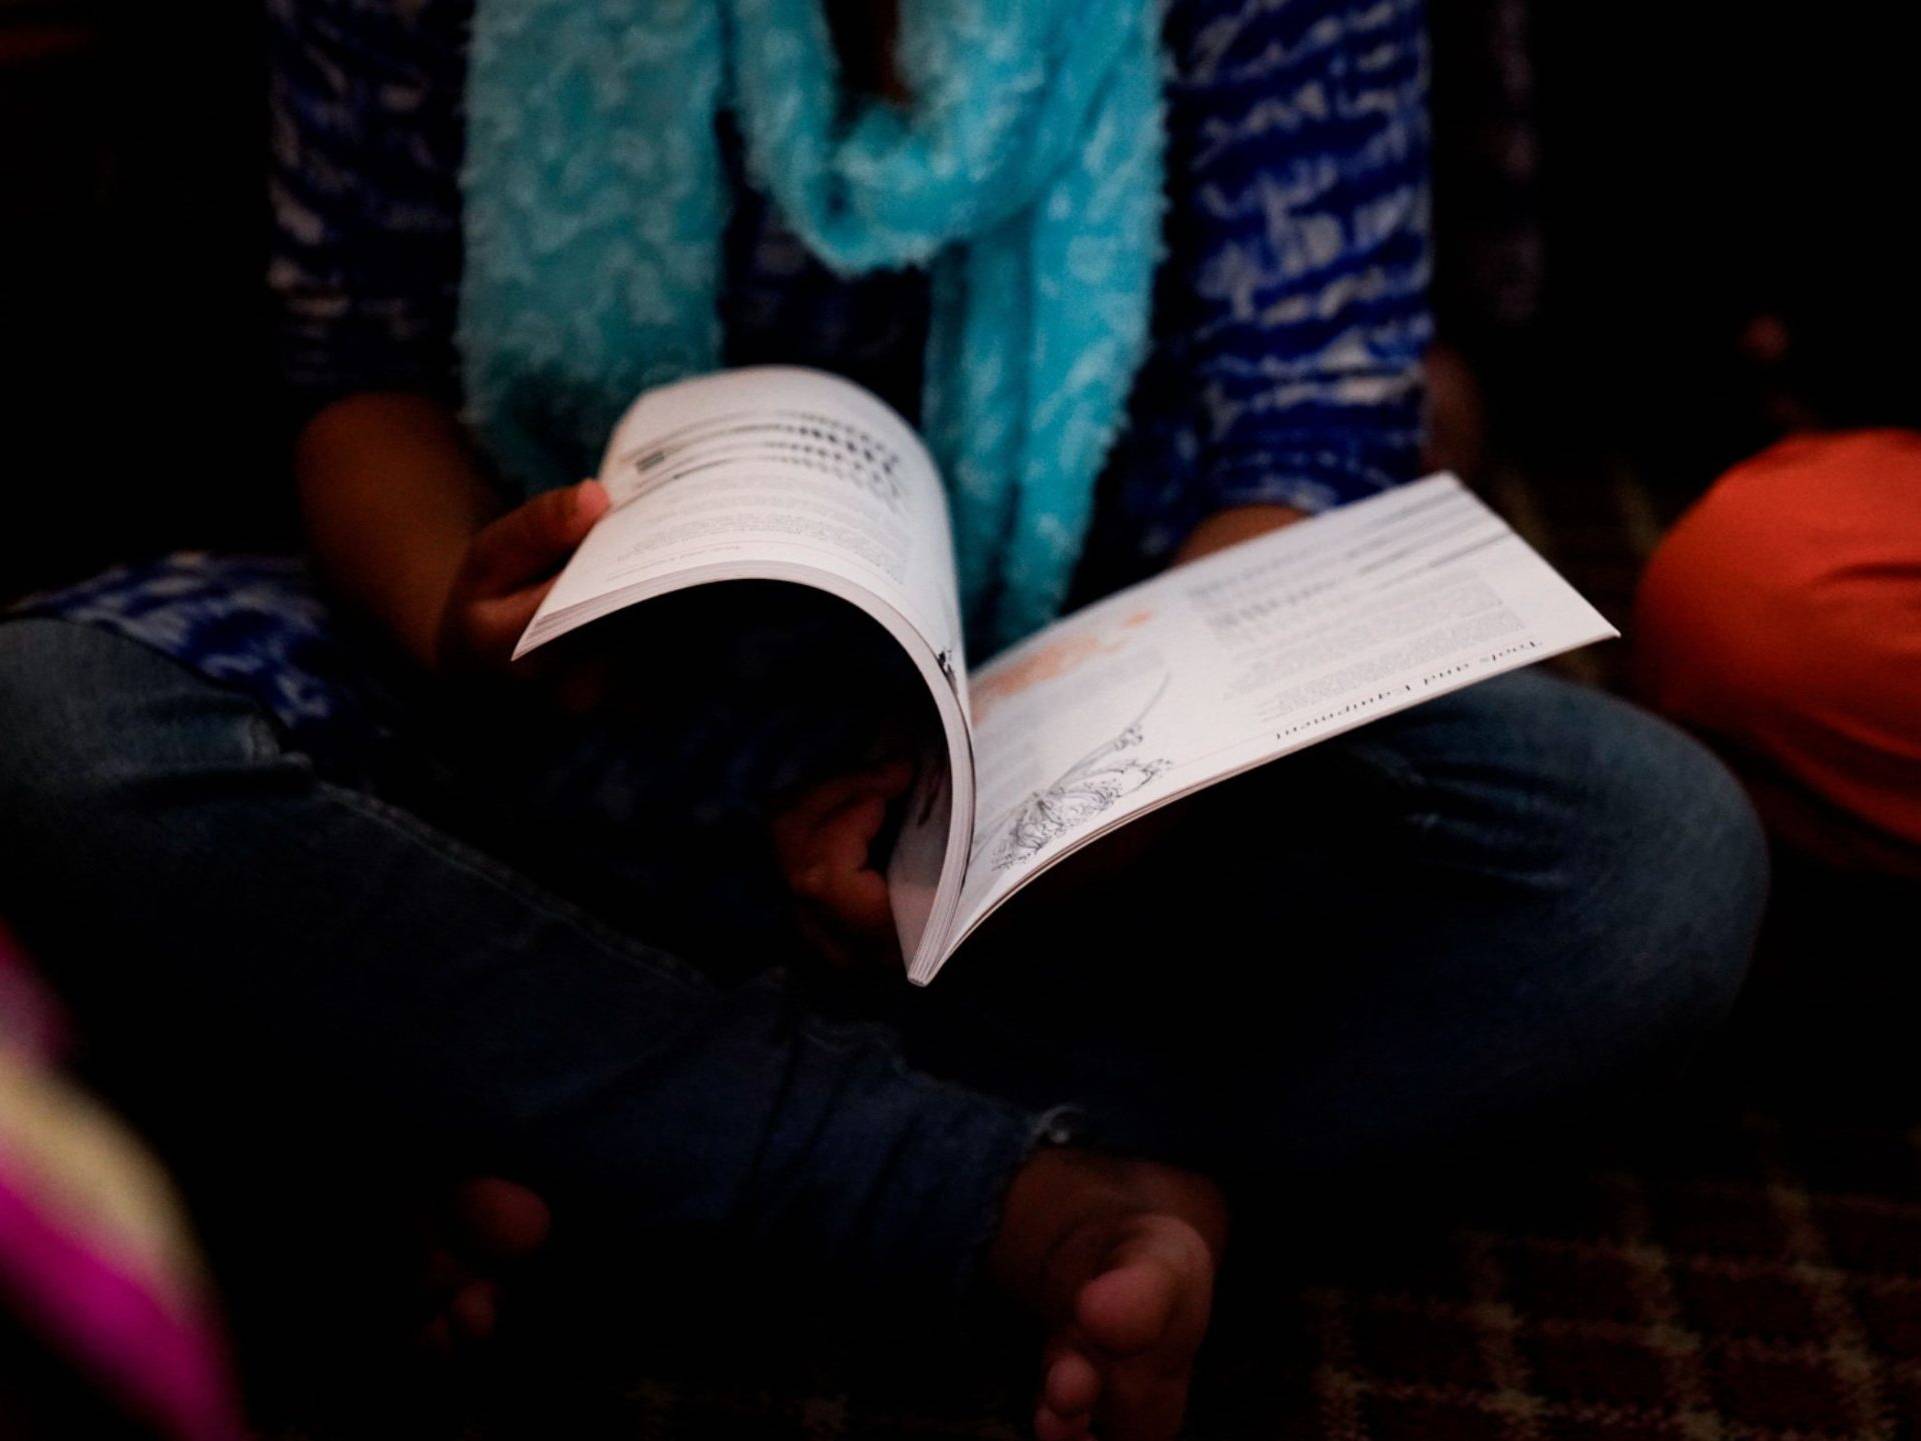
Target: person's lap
(1451, 918)
(1483, 905)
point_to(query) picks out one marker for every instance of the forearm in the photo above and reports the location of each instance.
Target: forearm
(1232, 525)
(392, 497)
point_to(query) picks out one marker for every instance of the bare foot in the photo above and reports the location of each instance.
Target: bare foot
(489, 1225)
(1118, 1257)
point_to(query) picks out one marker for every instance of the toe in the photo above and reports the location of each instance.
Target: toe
(499, 1219)
(1072, 1385)
(437, 1338)
(1146, 1315)
(1128, 1309)
(475, 1311)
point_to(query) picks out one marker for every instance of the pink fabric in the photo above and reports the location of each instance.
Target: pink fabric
(162, 1359)
(166, 1368)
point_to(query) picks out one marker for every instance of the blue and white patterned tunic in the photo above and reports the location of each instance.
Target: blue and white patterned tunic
(1290, 308)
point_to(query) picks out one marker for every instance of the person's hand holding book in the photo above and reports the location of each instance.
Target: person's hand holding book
(508, 569)
(826, 840)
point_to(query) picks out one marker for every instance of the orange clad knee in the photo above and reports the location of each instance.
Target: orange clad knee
(1782, 617)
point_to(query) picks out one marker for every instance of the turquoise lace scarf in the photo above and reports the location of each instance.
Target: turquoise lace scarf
(1025, 175)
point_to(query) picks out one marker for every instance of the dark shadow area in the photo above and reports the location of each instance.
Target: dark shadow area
(141, 410)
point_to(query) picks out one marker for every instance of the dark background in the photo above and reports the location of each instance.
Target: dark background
(1620, 194)
(139, 407)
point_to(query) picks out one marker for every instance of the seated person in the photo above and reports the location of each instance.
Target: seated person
(1781, 620)
(315, 831)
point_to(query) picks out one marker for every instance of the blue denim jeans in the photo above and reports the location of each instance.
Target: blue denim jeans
(1456, 917)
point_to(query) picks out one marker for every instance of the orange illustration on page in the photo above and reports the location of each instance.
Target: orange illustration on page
(1059, 657)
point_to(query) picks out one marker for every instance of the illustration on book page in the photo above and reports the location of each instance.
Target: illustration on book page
(1080, 795)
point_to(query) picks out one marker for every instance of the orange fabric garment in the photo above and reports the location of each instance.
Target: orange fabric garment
(1782, 619)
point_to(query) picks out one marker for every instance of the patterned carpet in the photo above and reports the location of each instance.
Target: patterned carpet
(1764, 1283)
(1739, 1279)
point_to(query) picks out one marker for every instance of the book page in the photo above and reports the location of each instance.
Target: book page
(1243, 657)
(758, 473)
(782, 473)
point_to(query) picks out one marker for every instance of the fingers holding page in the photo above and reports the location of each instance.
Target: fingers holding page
(825, 842)
(508, 570)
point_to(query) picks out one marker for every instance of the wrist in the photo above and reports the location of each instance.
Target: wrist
(428, 632)
(392, 499)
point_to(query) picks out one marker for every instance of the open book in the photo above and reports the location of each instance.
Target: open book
(1144, 697)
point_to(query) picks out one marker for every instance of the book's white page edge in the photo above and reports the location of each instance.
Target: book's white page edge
(648, 465)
